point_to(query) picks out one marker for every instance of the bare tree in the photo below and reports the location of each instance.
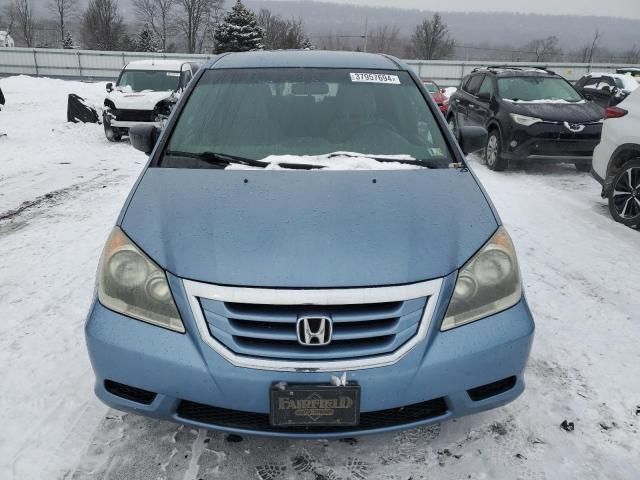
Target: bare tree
(102, 27)
(158, 14)
(545, 49)
(280, 33)
(24, 20)
(589, 51)
(632, 55)
(431, 39)
(62, 9)
(193, 18)
(8, 17)
(383, 39)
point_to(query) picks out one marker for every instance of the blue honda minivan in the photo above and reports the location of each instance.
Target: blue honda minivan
(307, 254)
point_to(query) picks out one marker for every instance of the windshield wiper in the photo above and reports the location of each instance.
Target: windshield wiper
(224, 160)
(422, 163)
(221, 159)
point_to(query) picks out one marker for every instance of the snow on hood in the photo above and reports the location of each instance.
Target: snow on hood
(333, 161)
(547, 100)
(145, 100)
(555, 111)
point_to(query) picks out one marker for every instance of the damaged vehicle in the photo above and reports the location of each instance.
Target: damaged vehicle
(145, 92)
(308, 255)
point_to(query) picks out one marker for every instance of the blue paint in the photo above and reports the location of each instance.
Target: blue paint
(309, 229)
(318, 229)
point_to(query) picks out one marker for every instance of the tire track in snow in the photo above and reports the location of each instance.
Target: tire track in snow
(52, 198)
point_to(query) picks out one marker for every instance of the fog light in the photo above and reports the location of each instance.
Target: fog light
(513, 144)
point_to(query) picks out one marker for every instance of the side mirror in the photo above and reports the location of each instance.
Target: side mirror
(110, 87)
(472, 139)
(588, 97)
(485, 97)
(144, 137)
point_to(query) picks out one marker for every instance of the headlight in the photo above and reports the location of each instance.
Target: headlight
(130, 283)
(524, 120)
(489, 283)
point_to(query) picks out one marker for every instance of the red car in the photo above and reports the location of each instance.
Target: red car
(438, 95)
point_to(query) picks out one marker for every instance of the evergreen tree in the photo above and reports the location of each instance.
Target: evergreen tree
(307, 45)
(146, 41)
(239, 31)
(67, 43)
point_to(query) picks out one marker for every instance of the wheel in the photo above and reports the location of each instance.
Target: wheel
(493, 152)
(583, 167)
(624, 197)
(112, 134)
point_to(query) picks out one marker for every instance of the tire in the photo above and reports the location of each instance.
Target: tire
(583, 166)
(112, 134)
(493, 152)
(624, 197)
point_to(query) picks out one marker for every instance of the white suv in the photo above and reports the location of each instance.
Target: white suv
(145, 92)
(616, 161)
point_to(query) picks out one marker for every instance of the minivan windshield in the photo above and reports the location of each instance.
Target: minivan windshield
(529, 89)
(257, 113)
(155, 80)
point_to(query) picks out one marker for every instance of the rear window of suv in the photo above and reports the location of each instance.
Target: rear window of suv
(256, 113)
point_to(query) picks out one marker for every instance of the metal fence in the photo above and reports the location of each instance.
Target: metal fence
(96, 65)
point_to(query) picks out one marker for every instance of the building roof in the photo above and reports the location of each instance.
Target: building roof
(305, 58)
(159, 64)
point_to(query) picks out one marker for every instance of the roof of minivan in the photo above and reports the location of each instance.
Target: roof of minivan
(166, 65)
(305, 58)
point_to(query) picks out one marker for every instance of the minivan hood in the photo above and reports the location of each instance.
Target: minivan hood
(583, 112)
(315, 229)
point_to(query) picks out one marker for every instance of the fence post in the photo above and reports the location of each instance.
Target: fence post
(79, 63)
(35, 62)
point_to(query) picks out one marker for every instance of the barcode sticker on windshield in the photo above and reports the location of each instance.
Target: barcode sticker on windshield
(375, 78)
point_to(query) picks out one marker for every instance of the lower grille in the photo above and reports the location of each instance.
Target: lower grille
(223, 417)
(129, 393)
(492, 389)
(133, 115)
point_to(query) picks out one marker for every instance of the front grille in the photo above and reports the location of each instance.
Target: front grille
(492, 389)
(564, 147)
(223, 417)
(269, 331)
(133, 115)
(129, 393)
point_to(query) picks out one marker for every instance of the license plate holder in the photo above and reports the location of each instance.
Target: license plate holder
(315, 405)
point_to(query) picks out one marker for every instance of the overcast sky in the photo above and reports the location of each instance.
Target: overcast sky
(615, 8)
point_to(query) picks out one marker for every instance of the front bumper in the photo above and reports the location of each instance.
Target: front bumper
(550, 141)
(126, 118)
(181, 369)
(129, 124)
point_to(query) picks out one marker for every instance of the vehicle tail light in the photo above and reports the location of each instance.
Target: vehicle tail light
(614, 112)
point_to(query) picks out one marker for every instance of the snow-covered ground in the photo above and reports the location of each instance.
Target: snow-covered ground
(61, 187)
